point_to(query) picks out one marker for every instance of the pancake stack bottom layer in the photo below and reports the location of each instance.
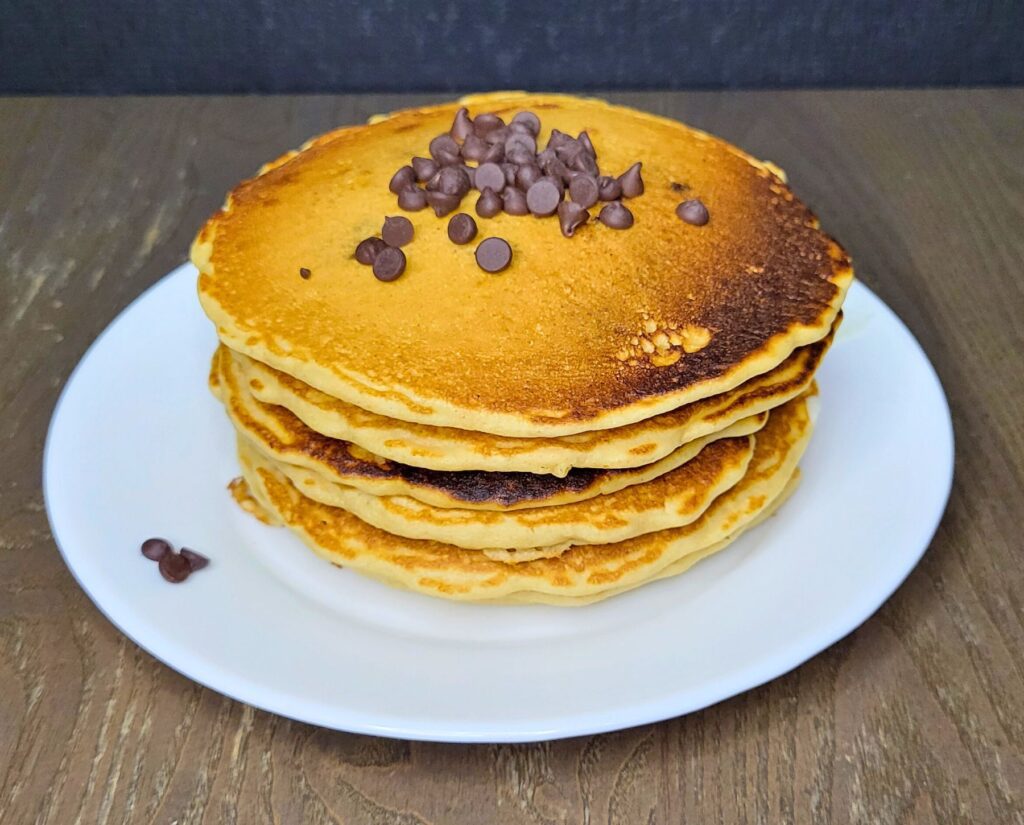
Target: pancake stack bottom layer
(615, 404)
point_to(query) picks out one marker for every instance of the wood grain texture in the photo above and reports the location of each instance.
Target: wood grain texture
(917, 717)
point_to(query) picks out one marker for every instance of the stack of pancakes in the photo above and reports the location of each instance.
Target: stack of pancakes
(610, 409)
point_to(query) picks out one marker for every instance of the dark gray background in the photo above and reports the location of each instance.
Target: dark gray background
(123, 46)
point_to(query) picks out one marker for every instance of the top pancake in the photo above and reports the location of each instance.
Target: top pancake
(554, 345)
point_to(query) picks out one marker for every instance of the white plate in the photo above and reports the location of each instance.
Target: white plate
(138, 448)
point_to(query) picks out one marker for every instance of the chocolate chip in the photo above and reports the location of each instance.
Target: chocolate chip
(571, 216)
(588, 147)
(445, 150)
(632, 183)
(515, 201)
(693, 212)
(412, 199)
(543, 197)
(569, 149)
(486, 123)
(510, 173)
(497, 136)
(519, 156)
(545, 158)
(402, 179)
(583, 162)
(425, 168)
(529, 120)
(527, 175)
(616, 216)
(557, 169)
(461, 228)
(470, 174)
(556, 139)
(390, 264)
(397, 231)
(474, 148)
(520, 142)
(443, 203)
(174, 567)
(609, 188)
(493, 254)
(583, 190)
(367, 251)
(452, 180)
(489, 176)
(155, 549)
(494, 154)
(305, 273)
(462, 127)
(489, 203)
(196, 561)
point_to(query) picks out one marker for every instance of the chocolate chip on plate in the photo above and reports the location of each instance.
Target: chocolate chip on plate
(367, 250)
(196, 561)
(693, 212)
(402, 179)
(632, 182)
(489, 176)
(493, 254)
(412, 199)
(397, 231)
(571, 216)
(609, 188)
(543, 197)
(424, 168)
(583, 190)
(155, 549)
(515, 201)
(489, 203)
(616, 216)
(174, 567)
(461, 228)
(305, 273)
(390, 264)
(462, 127)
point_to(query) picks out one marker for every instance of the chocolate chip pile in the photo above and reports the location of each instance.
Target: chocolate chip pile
(512, 176)
(175, 566)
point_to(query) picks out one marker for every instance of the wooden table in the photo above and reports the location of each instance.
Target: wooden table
(918, 716)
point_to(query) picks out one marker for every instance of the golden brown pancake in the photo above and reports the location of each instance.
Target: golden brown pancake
(442, 570)
(447, 448)
(594, 332)
(670, 500)
(281, 437)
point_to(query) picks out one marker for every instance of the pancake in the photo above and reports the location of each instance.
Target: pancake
(671, 500)
(447, 448)
(280, 436)
(561, 341)
(438, 569)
